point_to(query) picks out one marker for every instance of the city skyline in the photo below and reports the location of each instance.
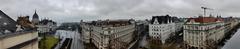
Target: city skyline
(119, 24)
(76, 10)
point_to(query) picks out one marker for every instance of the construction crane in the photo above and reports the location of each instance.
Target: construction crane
(204, 10)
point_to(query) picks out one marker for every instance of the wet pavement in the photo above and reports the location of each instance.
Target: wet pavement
(76, 44)
(233, 42)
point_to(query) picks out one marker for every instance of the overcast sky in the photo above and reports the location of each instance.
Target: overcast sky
(75, 10)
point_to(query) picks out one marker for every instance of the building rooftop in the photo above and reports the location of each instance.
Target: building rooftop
(35, 15)
(165, 19)
(15, 33)
(35, 18)
(6, 23)
(205, 19)
(113, 23)
(45, 21)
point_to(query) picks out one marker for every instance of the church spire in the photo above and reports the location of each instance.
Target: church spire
(35, 11)
(35, 18)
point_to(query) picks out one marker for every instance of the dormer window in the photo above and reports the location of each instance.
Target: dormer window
(192, 20)
(218, 21)
(155, 21)
(4, 23)
(168, 21)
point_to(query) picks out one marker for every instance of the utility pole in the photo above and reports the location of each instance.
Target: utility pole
(204, 10)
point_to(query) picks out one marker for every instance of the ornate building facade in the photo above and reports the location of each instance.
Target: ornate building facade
(162, 27)
(203, 32)
(86, 28)
(46, 25)
(109, 34)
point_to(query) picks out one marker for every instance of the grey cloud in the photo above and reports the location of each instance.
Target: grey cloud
(75, 10)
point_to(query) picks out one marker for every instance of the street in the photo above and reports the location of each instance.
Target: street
(143, 42)
(76, 42)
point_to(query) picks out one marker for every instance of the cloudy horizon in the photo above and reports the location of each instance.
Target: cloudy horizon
(76, 10)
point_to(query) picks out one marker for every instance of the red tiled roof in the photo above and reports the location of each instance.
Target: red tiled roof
(206, 19)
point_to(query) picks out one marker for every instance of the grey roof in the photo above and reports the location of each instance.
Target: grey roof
(164, 19)
(35, 15)
(35, 18)
(6, 23)
(45, 21)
